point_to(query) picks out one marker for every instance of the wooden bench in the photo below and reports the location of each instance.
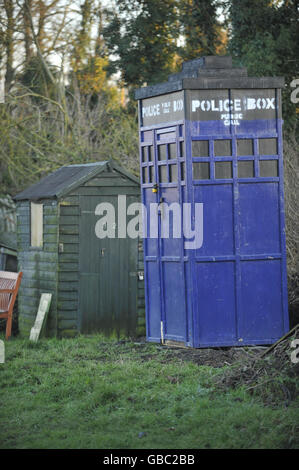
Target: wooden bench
(9, 286)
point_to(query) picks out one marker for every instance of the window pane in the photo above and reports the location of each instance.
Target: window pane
(222, 148)
(144, 175)
(200, 148)
(173, 173)
(150, 153)
(166, 135)
(267, 146)
(223, 170)
(245, 169)
(201, 171)
(172, 150)
(245, 147)
(147, 136)
(182, 171)
(163, 174)
(150, 174)
(143, 154)
(182, 149)
(268, 168)
(162, 152)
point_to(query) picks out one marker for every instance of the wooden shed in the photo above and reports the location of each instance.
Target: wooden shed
(96, 283)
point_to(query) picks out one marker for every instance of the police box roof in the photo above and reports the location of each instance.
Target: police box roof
(209, 72)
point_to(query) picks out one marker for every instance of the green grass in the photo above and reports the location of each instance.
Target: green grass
(90, 392)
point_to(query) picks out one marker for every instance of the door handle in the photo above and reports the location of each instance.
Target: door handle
(102, 252)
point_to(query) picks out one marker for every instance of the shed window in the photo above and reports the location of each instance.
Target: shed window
(36, 225)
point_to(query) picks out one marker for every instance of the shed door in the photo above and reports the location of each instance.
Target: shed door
(108, 274)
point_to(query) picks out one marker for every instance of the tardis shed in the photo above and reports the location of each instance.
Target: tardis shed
(94, 281)
(211, 139)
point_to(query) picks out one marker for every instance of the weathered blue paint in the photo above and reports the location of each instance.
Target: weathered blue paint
(232, 290)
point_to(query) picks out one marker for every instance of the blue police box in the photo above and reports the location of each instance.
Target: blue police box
(212, 185)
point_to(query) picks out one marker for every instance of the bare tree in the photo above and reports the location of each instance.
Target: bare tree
(27, 5)
(9, 42)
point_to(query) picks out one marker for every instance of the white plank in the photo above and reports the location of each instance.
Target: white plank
(41, 317)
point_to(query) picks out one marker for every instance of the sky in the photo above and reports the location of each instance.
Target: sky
(56, 58)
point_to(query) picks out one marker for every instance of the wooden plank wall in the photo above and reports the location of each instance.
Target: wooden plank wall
(68, 266)
(39, 266)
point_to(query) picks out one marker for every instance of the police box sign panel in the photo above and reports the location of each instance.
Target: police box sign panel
(232, 106)
(160, 109)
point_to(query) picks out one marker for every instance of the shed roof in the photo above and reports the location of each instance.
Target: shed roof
(66, 178)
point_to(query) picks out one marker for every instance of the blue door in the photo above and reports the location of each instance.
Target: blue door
(163, 183)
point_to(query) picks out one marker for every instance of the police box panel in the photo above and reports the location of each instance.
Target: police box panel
(160, 109)
(220, 110)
